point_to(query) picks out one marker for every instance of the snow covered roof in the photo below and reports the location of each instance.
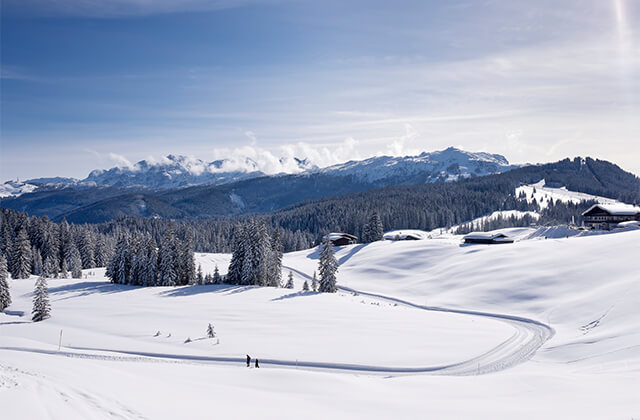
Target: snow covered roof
(485, 235)
(404, 234)
(616, 209)
(337, 235)
(630, 223)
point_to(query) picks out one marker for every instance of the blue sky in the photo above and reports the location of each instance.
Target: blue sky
(89, 84)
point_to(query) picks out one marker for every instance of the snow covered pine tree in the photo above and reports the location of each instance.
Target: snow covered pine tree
(21, 256)
(290, 281)
(41, 307)
(328, 266)
(5, 296)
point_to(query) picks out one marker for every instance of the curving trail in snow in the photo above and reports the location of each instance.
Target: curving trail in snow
(528, 337)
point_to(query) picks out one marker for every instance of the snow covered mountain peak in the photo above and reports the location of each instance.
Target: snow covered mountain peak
(445, 165)
(174, 171)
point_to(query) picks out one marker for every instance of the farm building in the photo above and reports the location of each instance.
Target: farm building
(406, 235)
(340, 239)
(607, 216)
(487, 238)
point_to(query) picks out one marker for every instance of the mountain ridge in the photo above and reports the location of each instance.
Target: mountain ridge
(177, 171)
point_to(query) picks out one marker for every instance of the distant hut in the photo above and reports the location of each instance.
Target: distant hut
(608, 216)
(405, 235)
(487, 238)
(341, 239)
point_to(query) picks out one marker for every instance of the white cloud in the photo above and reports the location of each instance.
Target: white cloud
(121, 161)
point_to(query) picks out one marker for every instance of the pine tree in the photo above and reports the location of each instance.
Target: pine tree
(234, 275)
(64, 240)
(86, 245)
(187, 265)
(5, 295)
(210, 331)
(41, 307)
(373, 230)
(50, 268)
(150, 269)
(199, 275)
(118, 267)
(64, 272)
(256, 253)
(314, 282)
(36, 262)
(305, 286)
(216, 279)
(74, 261)
(100, 252)
(328, 266)
(290, 281)
(21, 256)
(274, 261)
(138, 261)
(169, 261)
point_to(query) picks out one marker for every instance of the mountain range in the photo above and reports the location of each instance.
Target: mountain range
(179, 187)
(181, 171)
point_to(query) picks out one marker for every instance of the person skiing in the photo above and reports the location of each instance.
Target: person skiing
(248, 360)
(257, 366)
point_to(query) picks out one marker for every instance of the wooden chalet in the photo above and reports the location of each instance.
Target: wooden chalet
(486, 238)
(608, 216)
(341, 239)
(405, 235)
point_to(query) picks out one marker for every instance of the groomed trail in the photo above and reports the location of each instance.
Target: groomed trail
(529, 335)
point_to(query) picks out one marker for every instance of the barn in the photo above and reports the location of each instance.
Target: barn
(405, 235)
(487, 238)
(607, 216)
(341, 239)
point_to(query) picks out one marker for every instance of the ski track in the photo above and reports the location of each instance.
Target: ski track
(76, 401)
(528, 337)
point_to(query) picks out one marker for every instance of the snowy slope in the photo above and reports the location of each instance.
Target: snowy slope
(478, 222)
(589, 368)
(15, 188)
(543, 194)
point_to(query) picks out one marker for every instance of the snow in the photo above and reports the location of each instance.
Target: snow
(544, 194)
(618, 209)
(449, 165)
(478, 222)
(551, 324)
(628, 224)
(404, 233)
(334, 236)
(485, 235)
(15, 189)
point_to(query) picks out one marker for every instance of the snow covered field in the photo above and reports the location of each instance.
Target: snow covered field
(401, 354)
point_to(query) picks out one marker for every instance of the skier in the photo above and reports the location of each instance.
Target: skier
(257, 366)
(248, 360)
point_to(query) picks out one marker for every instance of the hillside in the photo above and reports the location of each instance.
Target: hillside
(312, 194)
(318, 347)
